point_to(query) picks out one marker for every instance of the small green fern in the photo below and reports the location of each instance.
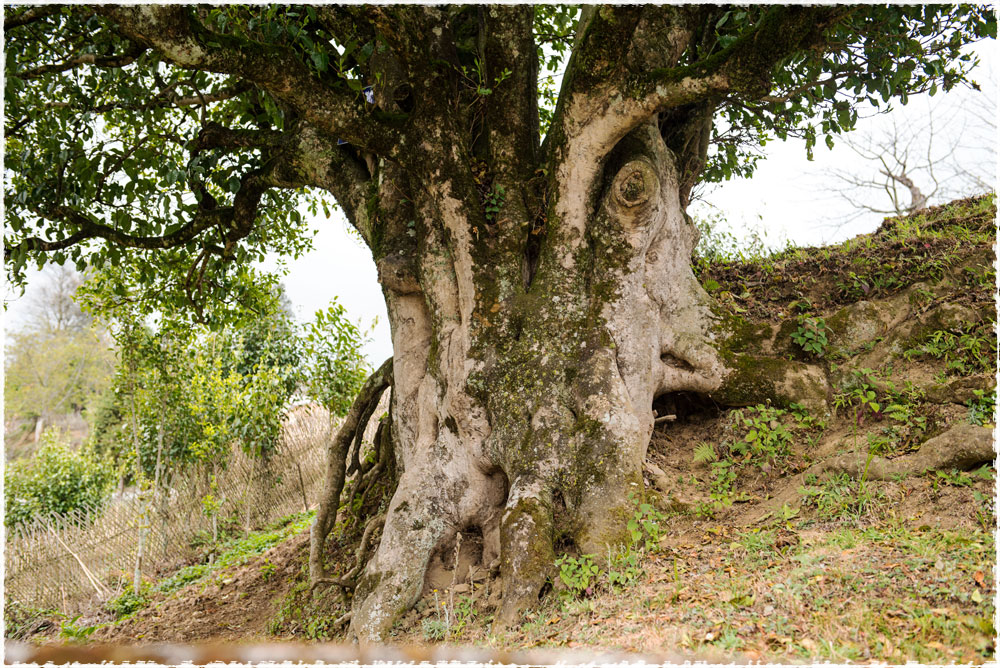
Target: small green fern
(704, 453)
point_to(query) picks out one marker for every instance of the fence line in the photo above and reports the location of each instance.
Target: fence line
(88, 555)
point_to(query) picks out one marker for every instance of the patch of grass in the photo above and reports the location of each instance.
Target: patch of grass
(183, 577)
(759, 545)
(238, 551)
(904, 251)
(127, 603)
(841, 498)
(21, 621)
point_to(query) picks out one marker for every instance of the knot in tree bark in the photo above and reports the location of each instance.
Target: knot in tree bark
(635, 184)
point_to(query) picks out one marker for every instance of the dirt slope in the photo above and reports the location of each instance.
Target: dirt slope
(844, 533)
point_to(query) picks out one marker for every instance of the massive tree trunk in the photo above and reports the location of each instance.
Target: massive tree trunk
(540, 295)
(540, 298)
(526, 360)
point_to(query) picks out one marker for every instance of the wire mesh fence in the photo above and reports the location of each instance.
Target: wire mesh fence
(73, 561)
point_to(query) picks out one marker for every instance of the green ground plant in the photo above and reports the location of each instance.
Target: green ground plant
(303, 614)
(434, 629)
(71, 631)
(126, 603)
(811, 335)
(982, 406)
(762, 440)
(578, 574)
(644, 526)
(964, 351)
(624, 566)
(985, 510)
(464, 614)
(956, 478)
(864, 398)
(582, 577)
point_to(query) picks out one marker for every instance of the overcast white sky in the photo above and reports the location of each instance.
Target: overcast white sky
(789, 198)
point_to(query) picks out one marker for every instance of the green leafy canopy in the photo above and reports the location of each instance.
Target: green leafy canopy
(176, 167)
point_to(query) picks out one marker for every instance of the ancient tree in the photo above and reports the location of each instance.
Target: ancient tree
(533, 248)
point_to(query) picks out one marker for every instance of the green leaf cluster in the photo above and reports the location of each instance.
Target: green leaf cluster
(57, 480)
(333, 367)
(811, 334)
(578, 573)
(879, 54)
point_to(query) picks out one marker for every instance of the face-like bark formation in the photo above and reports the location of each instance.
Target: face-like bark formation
(540, 293)
(523, 408)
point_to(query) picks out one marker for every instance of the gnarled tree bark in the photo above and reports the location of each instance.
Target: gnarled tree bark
(540, 294)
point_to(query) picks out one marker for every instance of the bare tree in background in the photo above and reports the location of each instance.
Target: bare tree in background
(951, 154)
(978, 171)
(54, 308)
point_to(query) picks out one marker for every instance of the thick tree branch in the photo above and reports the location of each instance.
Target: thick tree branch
(177, 35)
(163, 99)
(746, 66)
(594, 118)
(88, 229)
(30, 15)
(512, 114)
(77, 60)
(315, 159)
(216, 136)
(236, 222)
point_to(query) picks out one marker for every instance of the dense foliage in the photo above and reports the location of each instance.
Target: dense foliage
(57, 360)
(56, 480)
(54, 374)
(118, 154)
(185, 394)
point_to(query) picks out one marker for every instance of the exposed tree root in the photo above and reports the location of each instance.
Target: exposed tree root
(962, 447)
(526, 551)
(350, 432)
(347, 580)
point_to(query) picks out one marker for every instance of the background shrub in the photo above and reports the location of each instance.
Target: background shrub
(57, 480)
